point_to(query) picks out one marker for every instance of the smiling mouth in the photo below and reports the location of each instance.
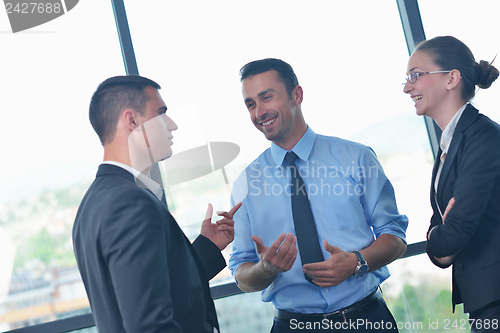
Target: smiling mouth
(416, 98)
(268, 122)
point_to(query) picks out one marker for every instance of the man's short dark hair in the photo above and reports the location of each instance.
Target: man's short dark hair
(285, 72)
(112, 97)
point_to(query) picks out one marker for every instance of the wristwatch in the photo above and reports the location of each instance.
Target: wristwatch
(362, 267)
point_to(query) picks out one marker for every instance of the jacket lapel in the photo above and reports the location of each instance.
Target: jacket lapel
(434, 174)
(468, 117)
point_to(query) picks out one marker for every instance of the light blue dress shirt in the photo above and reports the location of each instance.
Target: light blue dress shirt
(352, 202)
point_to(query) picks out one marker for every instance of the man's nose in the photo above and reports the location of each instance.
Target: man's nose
(260, 111)
(171, 125)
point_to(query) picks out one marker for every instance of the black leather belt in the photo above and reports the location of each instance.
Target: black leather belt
(367, 304)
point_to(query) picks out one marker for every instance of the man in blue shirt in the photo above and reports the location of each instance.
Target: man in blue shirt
(358, 225)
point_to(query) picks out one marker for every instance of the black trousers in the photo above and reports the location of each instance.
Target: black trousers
(376, 320)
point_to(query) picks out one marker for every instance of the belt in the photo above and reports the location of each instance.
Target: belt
(367, 304)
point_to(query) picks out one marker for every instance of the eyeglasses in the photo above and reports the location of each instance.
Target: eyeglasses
(412, 78)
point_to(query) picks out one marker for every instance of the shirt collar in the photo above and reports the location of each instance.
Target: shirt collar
(140, 179)
(302, 148)
(449, 130)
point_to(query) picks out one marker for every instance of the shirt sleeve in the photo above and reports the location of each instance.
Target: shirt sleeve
(379, 201)
(243, 247)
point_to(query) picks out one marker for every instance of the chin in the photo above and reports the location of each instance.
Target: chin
(420, 113)
(166, 157)
(268, 135)
(163, 155)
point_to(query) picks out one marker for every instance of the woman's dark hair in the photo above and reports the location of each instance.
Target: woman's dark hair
(450, 53)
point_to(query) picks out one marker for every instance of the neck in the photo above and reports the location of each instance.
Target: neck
(112, 154)
(293, 139)
(135, 159)
(444, 118)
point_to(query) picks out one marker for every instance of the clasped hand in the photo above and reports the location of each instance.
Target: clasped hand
(281, 255)
(446, 261)
(334, 270)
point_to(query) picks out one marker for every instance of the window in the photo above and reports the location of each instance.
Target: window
(476, 24)
(50, 155)
(351, 71)
(349, 58)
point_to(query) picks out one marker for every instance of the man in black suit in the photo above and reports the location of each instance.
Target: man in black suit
(140, 271)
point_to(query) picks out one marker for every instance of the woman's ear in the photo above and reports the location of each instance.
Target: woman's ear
(454, 78)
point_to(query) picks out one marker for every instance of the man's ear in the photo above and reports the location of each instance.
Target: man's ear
(129, 118)
(454, 78)
(297, 95)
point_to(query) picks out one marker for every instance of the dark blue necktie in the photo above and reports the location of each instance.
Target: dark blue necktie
(305, 228)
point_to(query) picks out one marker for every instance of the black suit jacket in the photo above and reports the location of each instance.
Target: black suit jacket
(471, 174)
(140, 271)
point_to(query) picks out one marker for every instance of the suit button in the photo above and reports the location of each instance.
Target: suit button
(459, 266)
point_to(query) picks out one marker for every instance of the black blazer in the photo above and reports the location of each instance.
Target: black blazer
(471, 174)
(140, 271)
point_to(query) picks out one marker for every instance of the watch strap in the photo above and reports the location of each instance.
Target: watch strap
(361, 259)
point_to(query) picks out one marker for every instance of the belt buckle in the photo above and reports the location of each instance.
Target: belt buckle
(343, 312)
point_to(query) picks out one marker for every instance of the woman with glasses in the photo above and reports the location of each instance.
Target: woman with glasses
(465, 189)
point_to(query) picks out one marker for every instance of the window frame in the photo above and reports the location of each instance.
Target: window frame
(414, 33)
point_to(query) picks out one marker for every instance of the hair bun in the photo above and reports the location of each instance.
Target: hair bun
(486, 74)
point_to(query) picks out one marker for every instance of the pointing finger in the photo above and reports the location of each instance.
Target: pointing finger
(233, 210)
(208, 214)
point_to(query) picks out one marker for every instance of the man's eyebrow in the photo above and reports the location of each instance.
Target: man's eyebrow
(248, 100)
(266, 92)
(262, 93)
(411, 70)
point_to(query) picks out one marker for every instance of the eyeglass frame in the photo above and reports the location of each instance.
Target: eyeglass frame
(417, 74)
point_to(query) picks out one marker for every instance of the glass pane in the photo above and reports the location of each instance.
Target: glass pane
(50, 155)
(419, 299)
(419, 296)
(481, 34)
(244, 313)
(350, 62)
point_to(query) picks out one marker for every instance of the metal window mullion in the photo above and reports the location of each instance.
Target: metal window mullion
(131, 67)
(414, 33)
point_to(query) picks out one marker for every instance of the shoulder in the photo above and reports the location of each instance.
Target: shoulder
(483, 129)
(338, 145)
(488, 124)
(333, 140)
(255, 169)
(473, 121)
(479, 142)
(114, 186)
(116, 197)
(265, 156)
(265, 159)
